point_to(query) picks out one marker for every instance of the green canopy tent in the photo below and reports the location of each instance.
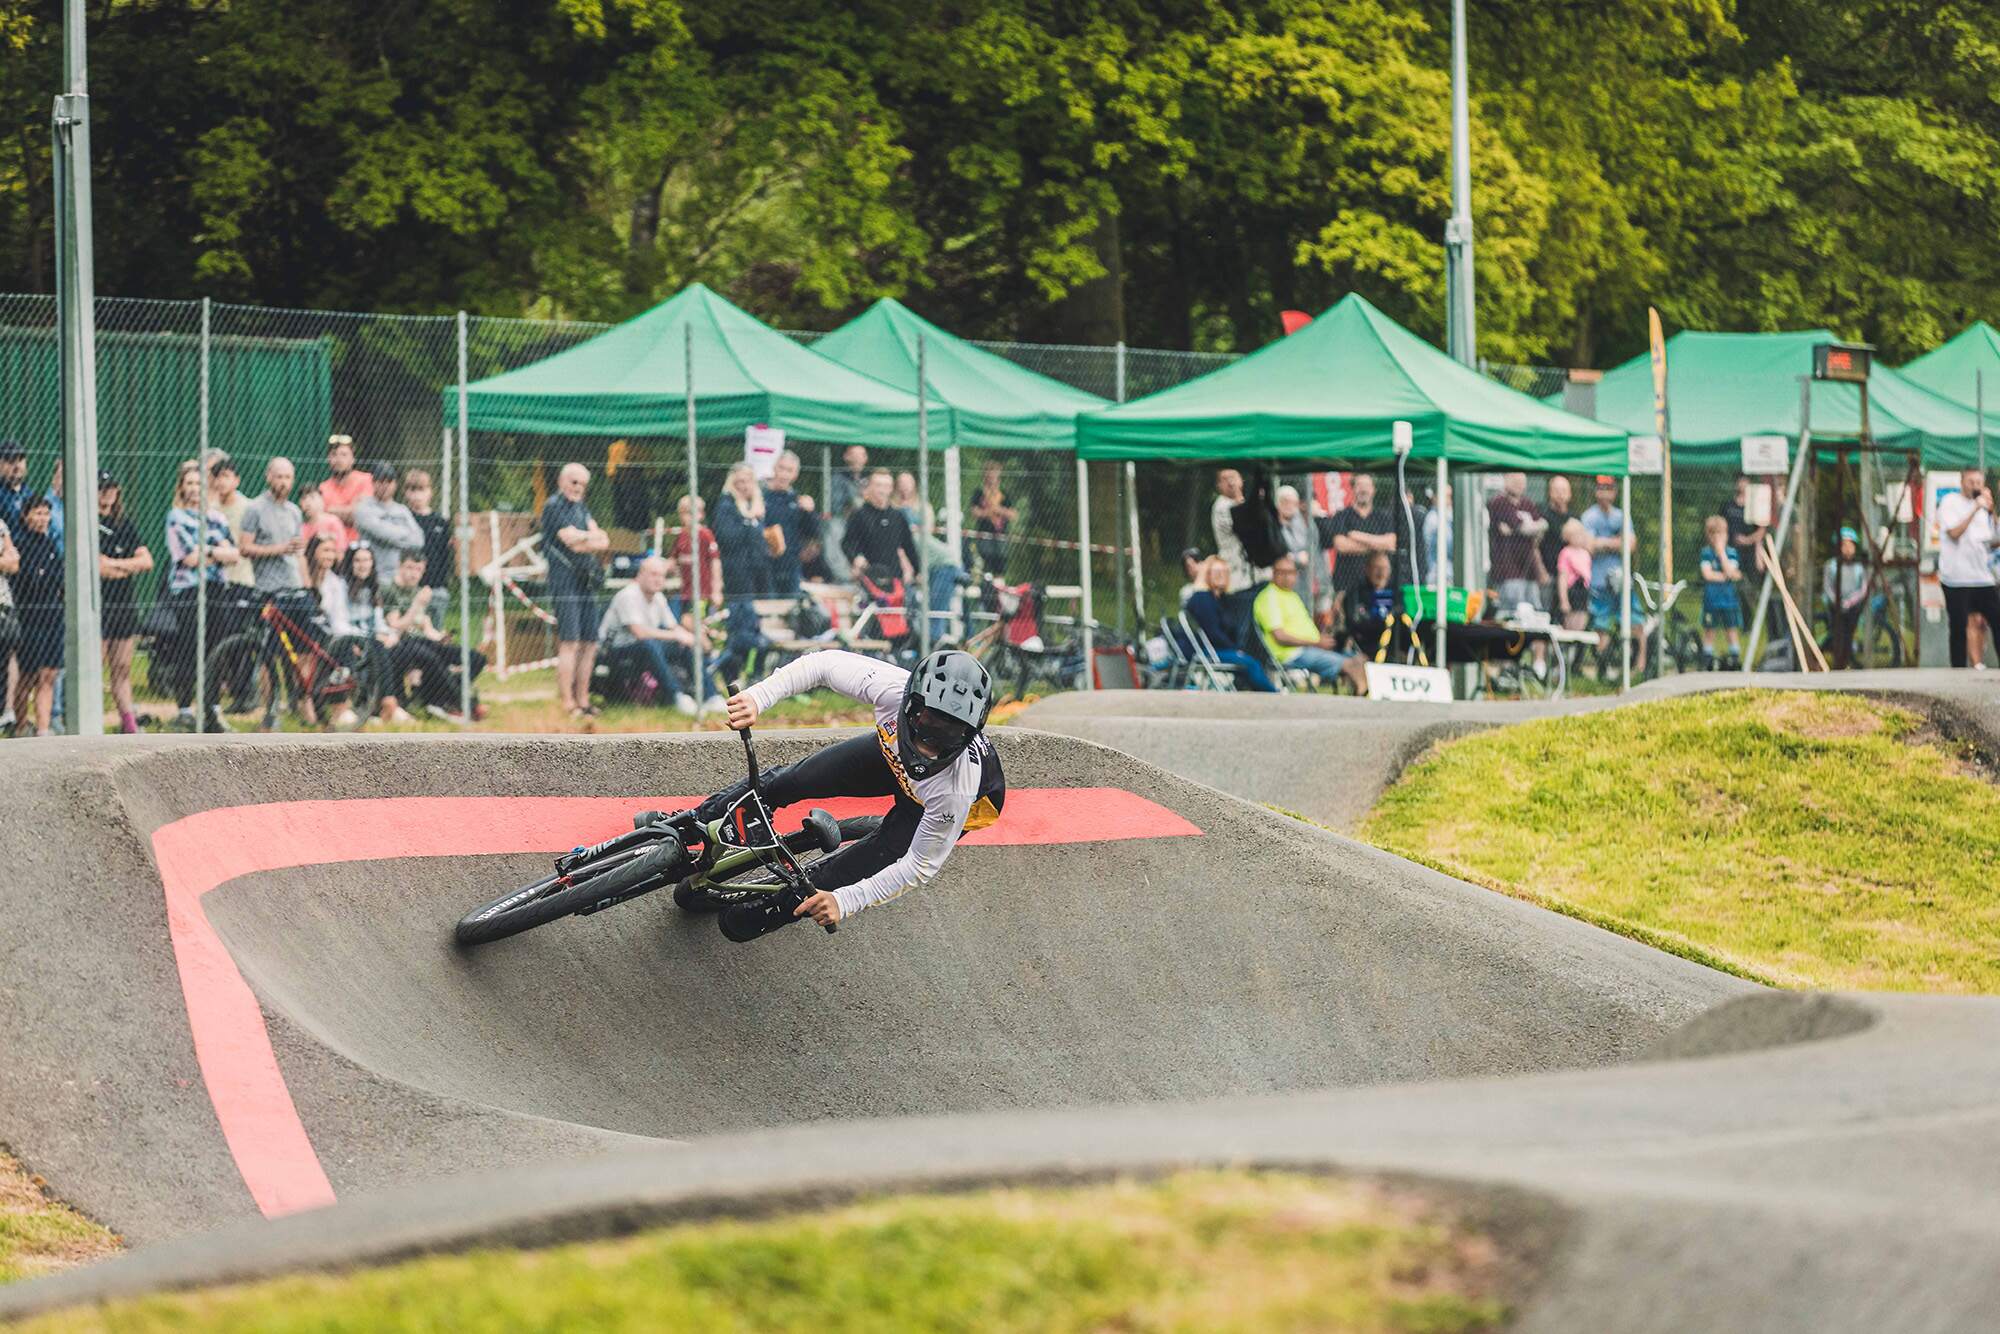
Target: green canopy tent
(1335, 392)
(1332, 392)
(1724, 386)
(995, 404)
(634, 380)
(693, 364)
(1962, 370)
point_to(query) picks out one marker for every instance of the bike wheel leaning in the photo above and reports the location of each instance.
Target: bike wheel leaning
(238, 682)
(549, 898)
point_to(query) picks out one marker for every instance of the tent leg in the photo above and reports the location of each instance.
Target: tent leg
(1754, 644)
(1625, 596)
(1087, 610)
(693, 530)
(1440, 573)
(954, 534)
(1132, 516)
(923, 588)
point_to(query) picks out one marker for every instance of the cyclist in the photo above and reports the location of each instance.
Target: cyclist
(929, 751)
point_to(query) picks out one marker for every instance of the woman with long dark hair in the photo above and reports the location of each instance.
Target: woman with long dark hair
(121, 556)
(192, 526)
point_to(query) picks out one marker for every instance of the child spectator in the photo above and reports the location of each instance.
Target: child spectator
(1721, 609)
(318, 523)
(1573, 575)
(1845, 583)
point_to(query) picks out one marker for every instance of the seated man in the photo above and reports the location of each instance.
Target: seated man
(640, 633)
(416, 645)
(1293, 637)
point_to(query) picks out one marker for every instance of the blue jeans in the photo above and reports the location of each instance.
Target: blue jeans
(1251, 669)
(1321, 662)
(653, 653)
(945, 580)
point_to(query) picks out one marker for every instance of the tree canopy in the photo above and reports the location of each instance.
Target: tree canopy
(1172, 172)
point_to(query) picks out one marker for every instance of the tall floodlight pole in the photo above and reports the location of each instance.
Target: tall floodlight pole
(83, 646)
(923, 535)
(1462, 331)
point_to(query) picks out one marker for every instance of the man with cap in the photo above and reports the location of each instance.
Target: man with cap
(385, 522)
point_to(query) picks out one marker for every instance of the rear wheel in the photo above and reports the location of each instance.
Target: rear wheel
(620, 875)
(237, 681)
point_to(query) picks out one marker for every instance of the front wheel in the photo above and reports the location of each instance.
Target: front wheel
(625, 875)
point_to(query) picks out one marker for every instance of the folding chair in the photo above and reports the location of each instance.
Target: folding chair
(1207, 660)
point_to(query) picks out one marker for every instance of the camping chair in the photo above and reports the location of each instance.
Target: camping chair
(1210, 662)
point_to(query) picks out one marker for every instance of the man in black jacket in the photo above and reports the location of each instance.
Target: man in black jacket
(878, 541)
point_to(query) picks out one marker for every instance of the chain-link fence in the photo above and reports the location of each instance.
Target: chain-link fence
(339, 397)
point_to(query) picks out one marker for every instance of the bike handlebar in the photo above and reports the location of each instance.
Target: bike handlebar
(756, 779)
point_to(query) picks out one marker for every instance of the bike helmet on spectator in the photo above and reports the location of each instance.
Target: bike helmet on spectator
(944, 707)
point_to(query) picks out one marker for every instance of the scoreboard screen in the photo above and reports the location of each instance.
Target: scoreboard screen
(1846, 362)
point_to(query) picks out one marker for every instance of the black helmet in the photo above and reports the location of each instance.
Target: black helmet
(945, 706)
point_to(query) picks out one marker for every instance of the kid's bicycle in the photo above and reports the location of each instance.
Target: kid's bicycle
(738, 859)
(281, 659)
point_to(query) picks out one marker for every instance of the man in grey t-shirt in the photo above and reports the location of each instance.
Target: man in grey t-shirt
(273, 532)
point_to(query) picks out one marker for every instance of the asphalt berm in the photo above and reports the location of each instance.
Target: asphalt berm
(248, 1007)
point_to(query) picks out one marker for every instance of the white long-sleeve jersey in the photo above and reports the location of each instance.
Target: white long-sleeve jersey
(951, 798)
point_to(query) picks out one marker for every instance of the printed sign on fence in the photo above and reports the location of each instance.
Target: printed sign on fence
(1644, 456)
(1408, 685)
(1766, 455)
(761, 447)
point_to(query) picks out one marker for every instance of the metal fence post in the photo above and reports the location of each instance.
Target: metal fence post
(201, 537)
(76, 305)
(1087, 611)
(923, 502)
(464, 526)
(693, 527)
(1131, 496)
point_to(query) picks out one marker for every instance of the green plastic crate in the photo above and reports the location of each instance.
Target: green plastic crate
(1420, 601)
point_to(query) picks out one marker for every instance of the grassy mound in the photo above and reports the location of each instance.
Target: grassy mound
(39, 1235)
(1804, 839)
(1208, 1251)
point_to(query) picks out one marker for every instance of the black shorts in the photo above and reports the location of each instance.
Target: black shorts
(856, 767)
(41, 643)
(120, 620)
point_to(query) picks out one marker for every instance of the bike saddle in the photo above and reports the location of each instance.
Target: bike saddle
(824, 826)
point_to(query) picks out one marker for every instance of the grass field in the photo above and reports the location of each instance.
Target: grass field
(1198, 1251)
(39, 1235)
(1805, 839)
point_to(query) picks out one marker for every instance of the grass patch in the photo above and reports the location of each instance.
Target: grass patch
(39, 1235)
(1196, 1251)
(1802, 838)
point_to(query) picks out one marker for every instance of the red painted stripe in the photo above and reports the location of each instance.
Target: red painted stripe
(259, 1120)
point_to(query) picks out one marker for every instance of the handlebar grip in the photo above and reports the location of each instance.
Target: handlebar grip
(831, 928)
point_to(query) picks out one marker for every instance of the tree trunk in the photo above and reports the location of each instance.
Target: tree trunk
(1093, 313)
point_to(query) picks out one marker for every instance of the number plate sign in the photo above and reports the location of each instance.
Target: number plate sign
(1408, 685)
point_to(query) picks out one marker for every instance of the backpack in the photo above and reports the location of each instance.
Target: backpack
(1256, 520)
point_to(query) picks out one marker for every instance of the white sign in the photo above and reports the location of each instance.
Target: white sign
(1766, 455)
(1644, 457)
(761, 447)
(1937, 485)
(1408, 685)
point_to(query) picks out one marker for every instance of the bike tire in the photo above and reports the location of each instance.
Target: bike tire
(236, 681)
(543, 901)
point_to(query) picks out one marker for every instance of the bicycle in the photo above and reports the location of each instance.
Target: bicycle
(283, 657)
(705, 862)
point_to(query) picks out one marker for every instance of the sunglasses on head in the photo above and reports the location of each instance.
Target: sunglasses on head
(334, 440)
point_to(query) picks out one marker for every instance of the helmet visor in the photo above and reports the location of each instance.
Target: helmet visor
(935, 734)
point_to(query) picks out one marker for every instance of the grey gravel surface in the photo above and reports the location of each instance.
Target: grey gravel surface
(1268, 993)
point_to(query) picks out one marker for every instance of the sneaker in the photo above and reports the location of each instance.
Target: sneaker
(401, 715)
(1540, 668)
(346, 720)
(7, 719)
(217, 723)
(184, 721)
(128, 724)
(685, 706)
(714, 704)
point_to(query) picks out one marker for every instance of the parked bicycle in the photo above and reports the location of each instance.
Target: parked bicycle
(285, 659)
